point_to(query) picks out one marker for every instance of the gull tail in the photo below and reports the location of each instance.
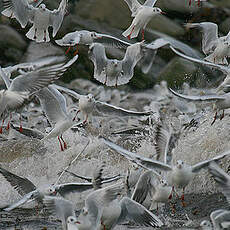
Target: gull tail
(131, 32)
(38, 35)
(214, 59)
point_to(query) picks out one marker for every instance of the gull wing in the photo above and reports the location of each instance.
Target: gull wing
(108, 40)
(64, 189)
(224, 69)
(108, 109)
(150, 3)
(197, 167)
(67, 91)
(143, 187)
(29, 197)
(165, 142)
(198, 98)
(209, 35)
(38, 79)
(20, 184)
(53, 103)
(23, 12)
(5, 78)
(143, 161)
(98, 57)
(222, 179)
(134, 6)
(59, 207)
(133, 54)
(56, 16)
(131, 210)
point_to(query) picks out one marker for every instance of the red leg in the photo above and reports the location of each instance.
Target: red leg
(8, 125)
(76, 115)
(190, 2)
(86, 119)
(76, 52)
(214, 118)
(67, 51)
(64, 143)
(129, 36)
(105, 80)
(20, 128)
(62, 149)
(143, 34)
(116, 81)
(1, 126)
(222, 116)
(182, 198)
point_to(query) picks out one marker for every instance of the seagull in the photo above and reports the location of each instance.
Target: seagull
(113, 72)
(87, 105)
(85, 37)
(142, 15)
(222, 102)
(105, 211)
(180, 174)
(21, 88)
(217, 48)
(40, 16)
(10, 14)
(64, 210)
(224, 69)
(160, 192)
(53, 104)
(30, 192)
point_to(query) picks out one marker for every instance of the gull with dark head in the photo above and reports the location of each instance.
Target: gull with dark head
(179, 175)
(40, 16)
(217, 48)
(142, 14)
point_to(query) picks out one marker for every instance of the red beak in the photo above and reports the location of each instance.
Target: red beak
(162, 12)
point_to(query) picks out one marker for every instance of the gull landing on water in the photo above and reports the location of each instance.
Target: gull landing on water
(40, 16)
(142, 15)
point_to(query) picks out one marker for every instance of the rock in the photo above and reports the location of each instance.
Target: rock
(177, 71)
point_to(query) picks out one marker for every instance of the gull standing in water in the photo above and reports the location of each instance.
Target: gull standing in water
(40, 16)
(179, 175)
(142, 15)
(217, 48)
(21, 88)
(87, 105)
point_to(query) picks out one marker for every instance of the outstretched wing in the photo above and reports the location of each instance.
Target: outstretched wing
(197, 167)
(131, 210)
(20, 184)
(56, 16)
(209, 35)
(23, 12)
(134, 6)
(133, 54)
(222, 68)
(109, 109)
(222, 179)
(38, 79)
(198, 98)
(98, 57)
(150, 3)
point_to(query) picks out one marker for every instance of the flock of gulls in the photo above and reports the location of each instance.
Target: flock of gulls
(110, 205)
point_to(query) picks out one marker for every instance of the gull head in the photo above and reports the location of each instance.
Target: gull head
(93, 35)
(90, 97)
(42, 6)
(50, 191)
(135, 166)
(84, 211)
(72, 221)
(157, 10)
(179, 164)
(115, 62)
(163, 183)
